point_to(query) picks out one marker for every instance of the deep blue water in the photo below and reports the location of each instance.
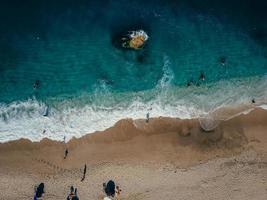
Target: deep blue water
(70, 49)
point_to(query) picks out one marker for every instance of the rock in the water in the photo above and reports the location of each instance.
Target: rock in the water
(135, 40)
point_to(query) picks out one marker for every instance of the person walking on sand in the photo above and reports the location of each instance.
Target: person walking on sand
(66, 153)
(84, 172)
(39, 192)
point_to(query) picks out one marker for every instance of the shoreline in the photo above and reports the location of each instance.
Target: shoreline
(216, 117)
(129, 150)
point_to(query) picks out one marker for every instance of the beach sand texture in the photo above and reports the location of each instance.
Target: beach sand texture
(167, 158)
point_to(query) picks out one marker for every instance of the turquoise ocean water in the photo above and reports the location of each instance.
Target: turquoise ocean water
(86, 83)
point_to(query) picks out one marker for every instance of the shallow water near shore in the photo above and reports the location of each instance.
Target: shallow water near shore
(88, 84)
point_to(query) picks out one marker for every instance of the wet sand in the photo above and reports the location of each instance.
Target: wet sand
(164, 159)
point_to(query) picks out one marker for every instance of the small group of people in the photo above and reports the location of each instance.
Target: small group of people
(222, 61)
(110, 189)
(73, 194)
(39, 192)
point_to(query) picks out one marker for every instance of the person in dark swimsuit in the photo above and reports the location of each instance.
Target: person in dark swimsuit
(222, 60)
(202, 76)
(66, 153)
(36, 84)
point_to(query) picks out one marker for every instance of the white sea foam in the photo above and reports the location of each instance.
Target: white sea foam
(78, 116)
(168, 75)
(264, 106)
(26, 120)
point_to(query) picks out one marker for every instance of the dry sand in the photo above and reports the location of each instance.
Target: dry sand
(167, 159)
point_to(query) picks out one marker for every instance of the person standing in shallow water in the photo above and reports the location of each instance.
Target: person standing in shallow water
(84, 172)
(147, 117)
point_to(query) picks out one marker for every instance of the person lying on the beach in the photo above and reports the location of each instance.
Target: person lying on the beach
(39, 192)
(104, 187)
(117, 192)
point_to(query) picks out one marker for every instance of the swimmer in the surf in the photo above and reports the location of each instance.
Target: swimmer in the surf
(222, 60)
(202, 76)
(190, 82)
(36, 84)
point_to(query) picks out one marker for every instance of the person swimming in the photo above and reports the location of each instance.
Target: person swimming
(222, 60)
(202, 76)
(36, 84)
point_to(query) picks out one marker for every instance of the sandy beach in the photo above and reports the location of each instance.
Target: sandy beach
(166, 159)
(168, 99)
